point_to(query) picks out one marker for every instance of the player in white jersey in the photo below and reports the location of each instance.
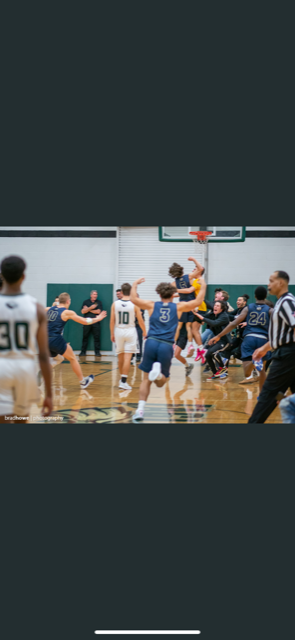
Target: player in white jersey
(123, 332)
(23, 326)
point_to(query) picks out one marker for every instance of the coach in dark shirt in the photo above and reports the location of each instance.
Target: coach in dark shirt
(90, 309)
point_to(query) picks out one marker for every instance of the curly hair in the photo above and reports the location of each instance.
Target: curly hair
(176, 271)
(165, 290)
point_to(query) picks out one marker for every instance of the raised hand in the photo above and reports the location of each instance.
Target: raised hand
(139, 281)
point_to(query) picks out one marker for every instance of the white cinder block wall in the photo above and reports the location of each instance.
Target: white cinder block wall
(252, 261)
(82, 260)
(64, 260)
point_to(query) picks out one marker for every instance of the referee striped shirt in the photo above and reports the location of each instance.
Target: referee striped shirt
(282, 322)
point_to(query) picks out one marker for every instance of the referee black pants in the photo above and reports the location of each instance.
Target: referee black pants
(281, 376)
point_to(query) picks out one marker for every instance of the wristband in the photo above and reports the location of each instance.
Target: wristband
(89, 320)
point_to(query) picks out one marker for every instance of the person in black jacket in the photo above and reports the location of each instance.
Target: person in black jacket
(91, 308)
(215, 320)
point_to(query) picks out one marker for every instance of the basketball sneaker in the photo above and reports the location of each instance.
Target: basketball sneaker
(190, 352)
(138, 415)
(155, 373)
(258, 364)
(201, 355)
(188, 369)
(86, 382)
(124, 385)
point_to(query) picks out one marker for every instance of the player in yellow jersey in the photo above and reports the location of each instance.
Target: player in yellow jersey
(195, 287)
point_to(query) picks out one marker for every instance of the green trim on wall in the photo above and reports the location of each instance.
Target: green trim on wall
(73, 331)
(242, 239)
(236, 290)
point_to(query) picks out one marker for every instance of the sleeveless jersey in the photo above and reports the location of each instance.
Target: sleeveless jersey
(124, 314)
(163, 322)
(196, 284)
(257, 320)
(184, 283)
(55, 324)
(18, 326)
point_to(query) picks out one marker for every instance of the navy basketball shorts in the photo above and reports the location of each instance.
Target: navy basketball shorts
(250, 344)
(182, 339)
(156, 351)
(196, 319)
(187, 316)
(57, 345)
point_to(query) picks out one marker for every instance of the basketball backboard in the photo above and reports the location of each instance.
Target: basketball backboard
(219, 234)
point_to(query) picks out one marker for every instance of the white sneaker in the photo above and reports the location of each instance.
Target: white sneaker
(124, 385)
(155, 372)
(138, 416)
(87, 382)
(133, 361)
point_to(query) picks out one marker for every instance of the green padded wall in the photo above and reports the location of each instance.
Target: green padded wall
(79, 292)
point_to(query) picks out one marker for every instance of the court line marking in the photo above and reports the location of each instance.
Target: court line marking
(147, 632)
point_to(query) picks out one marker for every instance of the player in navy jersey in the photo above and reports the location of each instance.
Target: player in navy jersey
(256, 315)
(59, 349)
(186, 292)
(158, 353)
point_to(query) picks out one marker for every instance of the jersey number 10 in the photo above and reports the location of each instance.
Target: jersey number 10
(21, 335)
(125, 317)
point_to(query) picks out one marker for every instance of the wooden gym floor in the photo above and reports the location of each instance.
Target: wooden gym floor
(182, 400)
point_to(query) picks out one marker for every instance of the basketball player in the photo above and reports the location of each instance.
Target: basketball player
(256, 315)
(22, 322)
(158, 353)
(180, 346)
(59, 349)
(123, 332)
(187, 287)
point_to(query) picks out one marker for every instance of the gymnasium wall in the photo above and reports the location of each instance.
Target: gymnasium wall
(75, 260)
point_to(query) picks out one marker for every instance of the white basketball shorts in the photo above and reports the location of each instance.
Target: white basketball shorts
(126, 340)
(18, 386)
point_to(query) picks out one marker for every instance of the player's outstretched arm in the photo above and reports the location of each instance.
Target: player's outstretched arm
(192, 304)
(112, 323)
(148, 305)
(42, 340)
(198, 264)
(232, 325)
(71, 315)
(140, 321)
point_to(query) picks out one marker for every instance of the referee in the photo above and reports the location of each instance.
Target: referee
(282, 342)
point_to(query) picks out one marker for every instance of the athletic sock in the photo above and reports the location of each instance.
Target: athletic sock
(83, 381)
(141, 405)
(123, 378)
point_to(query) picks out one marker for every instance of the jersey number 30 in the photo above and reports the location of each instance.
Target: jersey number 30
(21, 335)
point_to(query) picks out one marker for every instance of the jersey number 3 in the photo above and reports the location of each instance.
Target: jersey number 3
(21, 335)
(165, 315)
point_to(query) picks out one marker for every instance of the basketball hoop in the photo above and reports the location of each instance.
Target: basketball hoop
(200, 237)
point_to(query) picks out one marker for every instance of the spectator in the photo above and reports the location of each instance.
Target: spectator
(119, 294)
(91, 309)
